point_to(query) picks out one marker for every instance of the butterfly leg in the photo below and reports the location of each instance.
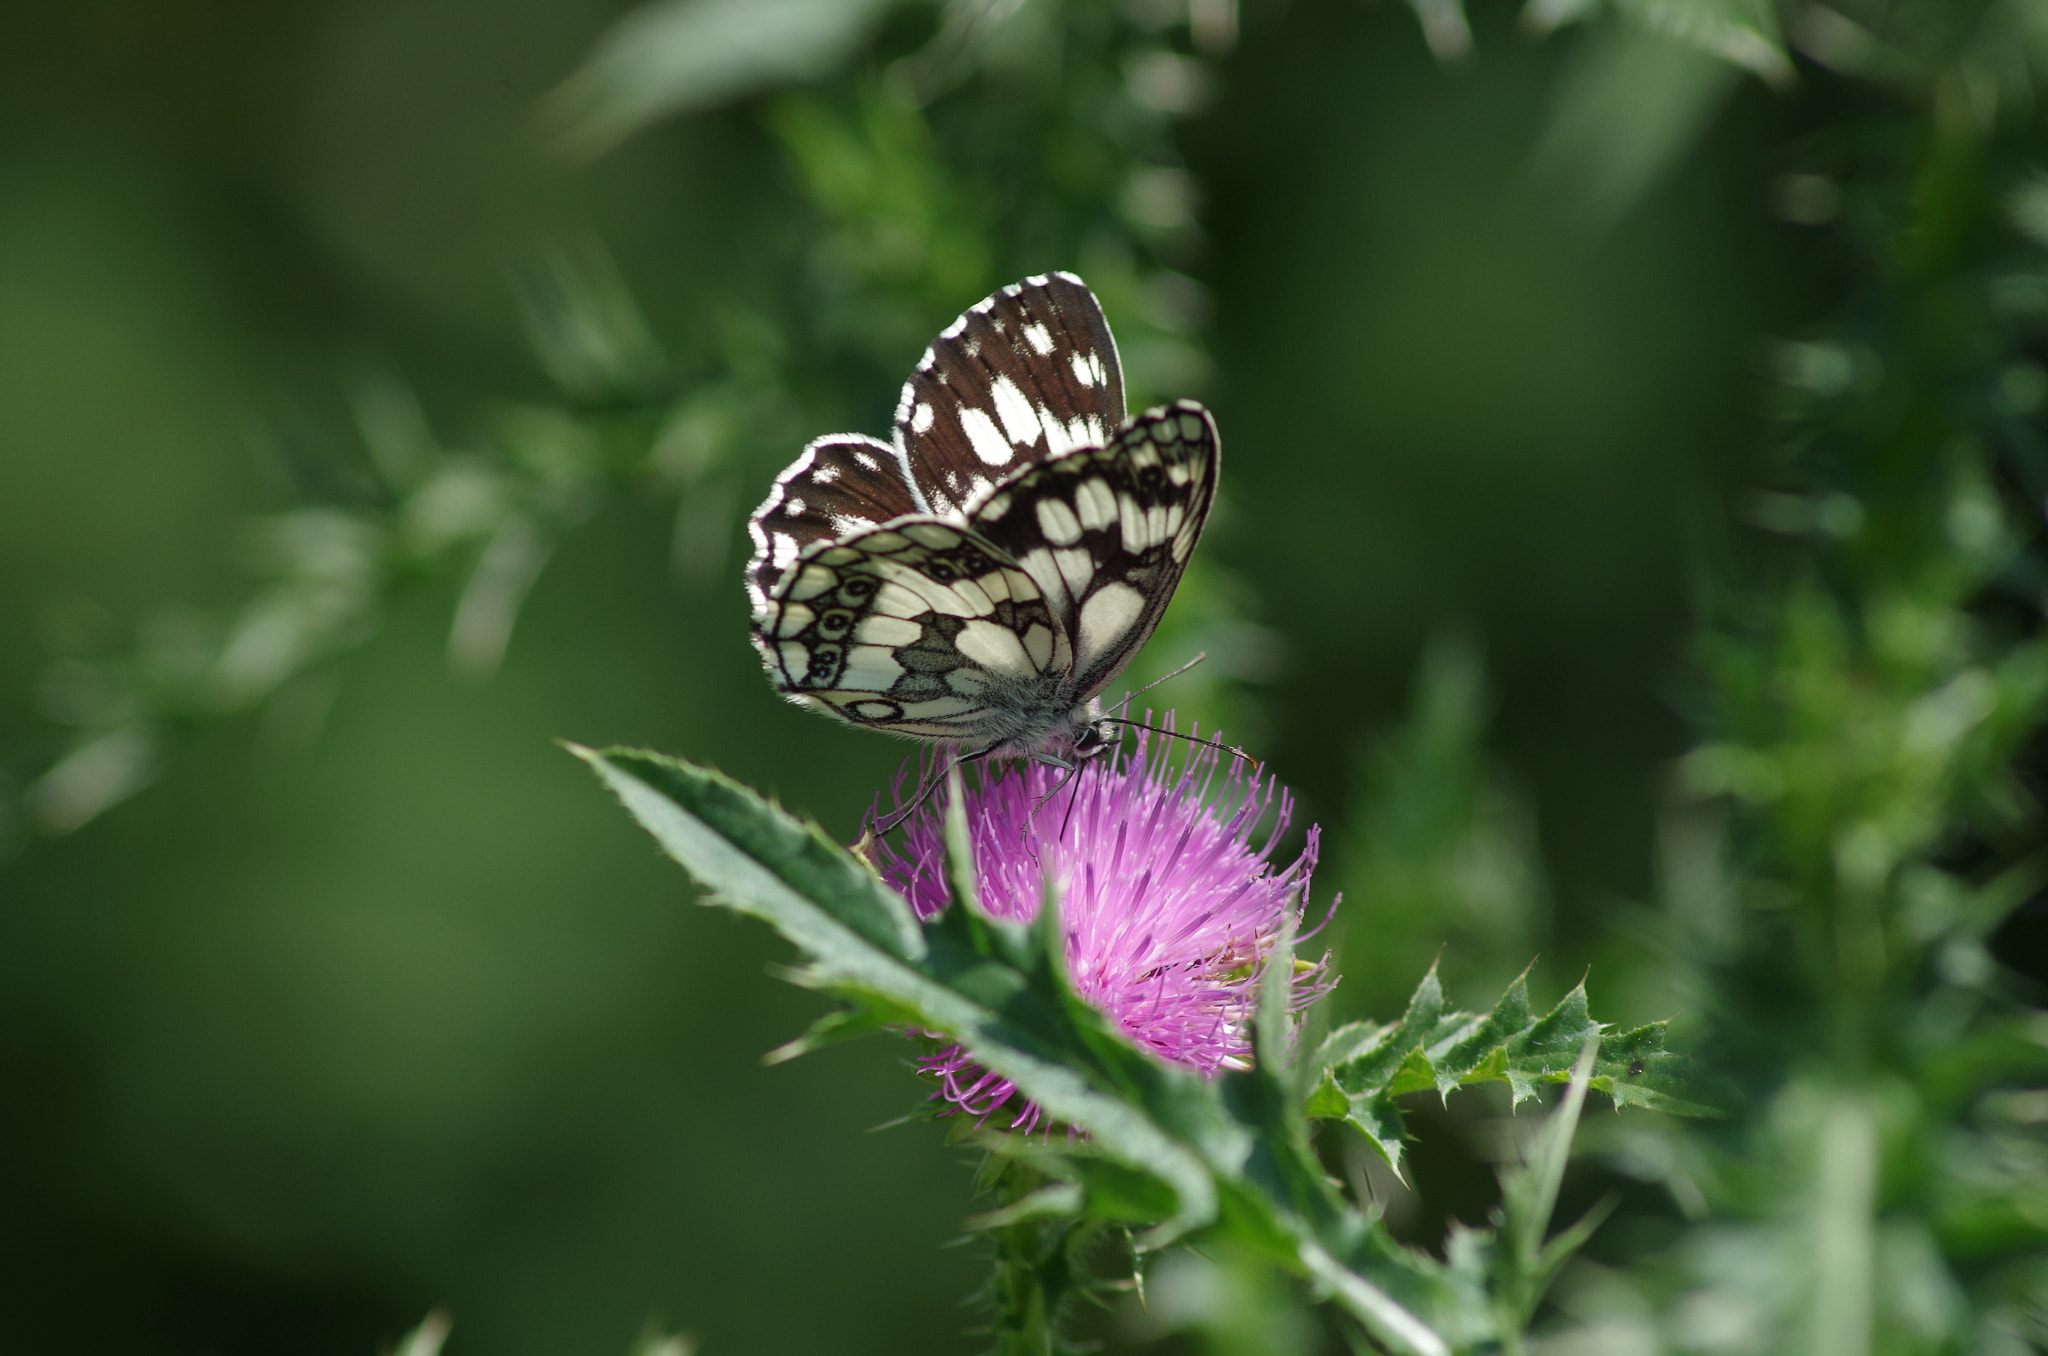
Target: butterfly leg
(929, 781)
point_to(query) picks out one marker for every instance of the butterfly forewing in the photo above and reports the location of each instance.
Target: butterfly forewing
(1026, 374)
(839, 485)
(1106, 532)
(921, 628)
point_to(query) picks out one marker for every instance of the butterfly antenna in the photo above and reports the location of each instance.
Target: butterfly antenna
(1200, 655)
(1230, 749)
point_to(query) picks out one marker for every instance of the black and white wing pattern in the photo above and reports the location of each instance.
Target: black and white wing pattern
(982, 580)
(1026, 374)
(1106, 532)
(839, 485)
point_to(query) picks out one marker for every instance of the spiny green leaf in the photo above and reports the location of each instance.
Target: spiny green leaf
(1379, 1120)
(1477, 1054)
(1636, 1070)
(1415, 1073)
(1345, 1043)
(1365, 1067)
(863, 945)
(1546, 1052)
(1370, 1056)
(758, 859)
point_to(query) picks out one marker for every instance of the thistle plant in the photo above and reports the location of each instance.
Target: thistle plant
(1148, 1005)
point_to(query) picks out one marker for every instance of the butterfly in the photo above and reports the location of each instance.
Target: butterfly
(980, 579)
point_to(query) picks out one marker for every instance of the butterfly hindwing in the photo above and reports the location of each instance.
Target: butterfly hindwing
(919, 628)
(1025, 374)
(838, 485)
(1106, 532)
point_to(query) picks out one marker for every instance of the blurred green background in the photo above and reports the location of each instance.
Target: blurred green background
(368, 1000)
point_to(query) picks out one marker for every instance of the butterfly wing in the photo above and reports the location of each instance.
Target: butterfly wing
(839, 485)
(1105, 533)
(1027, 373)
(918, 628)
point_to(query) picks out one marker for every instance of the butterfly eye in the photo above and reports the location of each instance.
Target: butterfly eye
(856, 591)
(941, 571)
(835, 623)
(1093, 738)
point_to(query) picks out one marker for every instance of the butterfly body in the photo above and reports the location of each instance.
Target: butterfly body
(983, 579)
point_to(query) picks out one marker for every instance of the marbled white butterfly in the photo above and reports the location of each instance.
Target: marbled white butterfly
(981, 579)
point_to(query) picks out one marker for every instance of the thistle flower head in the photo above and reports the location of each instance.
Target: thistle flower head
(1169, 908)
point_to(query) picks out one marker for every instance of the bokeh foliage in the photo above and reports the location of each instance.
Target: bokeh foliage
(1632, 555)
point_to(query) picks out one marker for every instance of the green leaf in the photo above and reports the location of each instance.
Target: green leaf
(1529, 1190)
(757, 859)
(1058, 1199)
(1110, 1190)
(1636, 1070)
(832, 1028)
(863, 945)
(1360, 1069)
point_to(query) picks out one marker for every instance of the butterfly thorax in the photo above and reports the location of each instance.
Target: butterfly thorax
(1035, 718)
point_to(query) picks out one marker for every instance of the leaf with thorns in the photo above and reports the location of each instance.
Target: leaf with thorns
(1361, 1068)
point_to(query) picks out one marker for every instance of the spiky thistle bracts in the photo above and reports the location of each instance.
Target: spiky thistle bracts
(1169, 899)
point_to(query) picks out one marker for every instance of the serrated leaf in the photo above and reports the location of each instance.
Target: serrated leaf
(759, 859)
(1384, 1050)
(1326, 1101)
(863, 945)
(1546, 1052)
(1636, 1070)
(1379, 1120)
(1415, 1074)
(1365, 1067)
(1347, 1042)
(1476, 1053)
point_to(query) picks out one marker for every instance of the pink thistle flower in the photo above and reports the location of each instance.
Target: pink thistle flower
(1169, 909)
